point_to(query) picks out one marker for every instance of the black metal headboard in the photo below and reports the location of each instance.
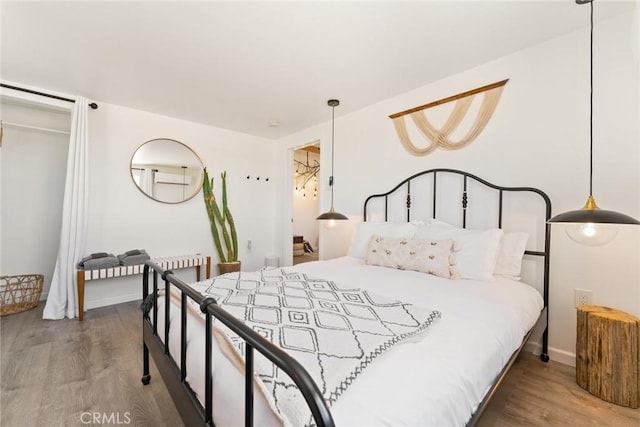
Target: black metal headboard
(464, 202)
(433, 174)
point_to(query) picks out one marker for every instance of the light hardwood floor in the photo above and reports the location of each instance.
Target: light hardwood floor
(65, 372)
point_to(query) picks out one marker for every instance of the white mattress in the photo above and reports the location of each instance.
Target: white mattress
(436, 381)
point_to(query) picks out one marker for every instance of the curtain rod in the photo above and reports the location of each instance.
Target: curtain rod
(93, 105)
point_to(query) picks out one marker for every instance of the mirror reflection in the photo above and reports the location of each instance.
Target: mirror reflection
(167, 170)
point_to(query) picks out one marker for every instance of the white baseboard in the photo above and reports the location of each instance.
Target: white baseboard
(103, 302)
(555, 354)
(533, 347)
(562, 356)
(89, 304)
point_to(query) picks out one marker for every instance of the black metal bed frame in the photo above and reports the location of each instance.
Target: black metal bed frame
(174, 376)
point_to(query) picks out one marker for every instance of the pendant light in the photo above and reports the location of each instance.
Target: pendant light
(591, 225)
(332, 214)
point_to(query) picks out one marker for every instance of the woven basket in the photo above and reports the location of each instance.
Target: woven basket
(19, 293)
(298, 249)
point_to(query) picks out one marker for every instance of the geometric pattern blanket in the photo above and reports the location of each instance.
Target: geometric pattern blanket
(334, 332)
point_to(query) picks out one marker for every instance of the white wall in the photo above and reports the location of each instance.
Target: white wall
(33, 167)
(538, 136)
(122, 218)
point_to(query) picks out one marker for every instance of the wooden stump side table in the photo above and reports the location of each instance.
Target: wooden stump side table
(608, 354)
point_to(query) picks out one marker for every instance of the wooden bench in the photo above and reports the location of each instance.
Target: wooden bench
(170, 263)
(608, 354)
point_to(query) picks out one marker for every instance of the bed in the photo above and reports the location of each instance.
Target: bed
(392, 342)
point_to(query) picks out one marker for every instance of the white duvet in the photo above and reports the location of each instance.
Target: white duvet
(436, 381)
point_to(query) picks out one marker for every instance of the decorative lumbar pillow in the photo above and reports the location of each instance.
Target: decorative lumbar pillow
(478, 249)
(365, 230)
(428, 256)
(509, 262)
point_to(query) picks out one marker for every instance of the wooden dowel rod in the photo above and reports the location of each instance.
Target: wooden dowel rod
(450, 98)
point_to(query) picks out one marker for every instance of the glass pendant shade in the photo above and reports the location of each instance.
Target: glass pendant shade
(591, 234)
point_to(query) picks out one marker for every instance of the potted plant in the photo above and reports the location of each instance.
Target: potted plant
(223, 228)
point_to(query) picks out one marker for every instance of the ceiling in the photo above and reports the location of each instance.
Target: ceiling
(240, 65)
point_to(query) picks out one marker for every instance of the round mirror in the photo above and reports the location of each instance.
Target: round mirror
(167, 171)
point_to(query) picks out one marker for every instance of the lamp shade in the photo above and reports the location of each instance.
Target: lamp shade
(591, 225)
(332, 214)
(596, 216)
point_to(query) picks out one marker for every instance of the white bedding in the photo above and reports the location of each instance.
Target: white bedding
(437, 381)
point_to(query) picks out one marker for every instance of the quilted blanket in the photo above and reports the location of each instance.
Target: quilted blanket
(334, 332)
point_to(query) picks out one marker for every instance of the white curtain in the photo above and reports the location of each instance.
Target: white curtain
(62, 299)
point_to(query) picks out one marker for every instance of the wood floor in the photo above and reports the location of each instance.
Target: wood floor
(71, 373)
(306, 257)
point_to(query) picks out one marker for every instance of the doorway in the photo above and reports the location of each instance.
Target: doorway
(305, 203)
(35, 144)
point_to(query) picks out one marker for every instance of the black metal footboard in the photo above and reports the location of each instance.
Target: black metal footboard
(174, 376)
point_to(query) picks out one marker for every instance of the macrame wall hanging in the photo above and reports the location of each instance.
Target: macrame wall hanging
(440, 137)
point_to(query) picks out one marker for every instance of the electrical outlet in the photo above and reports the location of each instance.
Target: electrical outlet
(582, 297)
(249, 244)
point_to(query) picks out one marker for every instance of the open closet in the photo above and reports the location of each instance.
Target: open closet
(33, 158)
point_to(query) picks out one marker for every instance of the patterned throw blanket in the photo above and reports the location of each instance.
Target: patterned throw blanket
(334, 332)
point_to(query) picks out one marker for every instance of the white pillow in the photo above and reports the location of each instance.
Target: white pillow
(434, 221)
(478, 249)
(509, 262)
(424, 255)
(365, 230)
(431, 221)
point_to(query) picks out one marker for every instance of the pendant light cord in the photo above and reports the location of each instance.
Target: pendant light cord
(591, 110)
(333, 121)
(332, 214)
